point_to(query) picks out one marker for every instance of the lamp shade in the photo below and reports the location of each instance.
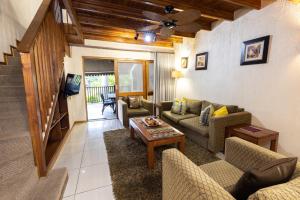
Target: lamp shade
(176, 74)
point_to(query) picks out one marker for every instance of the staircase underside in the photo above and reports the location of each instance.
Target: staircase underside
(19, 178)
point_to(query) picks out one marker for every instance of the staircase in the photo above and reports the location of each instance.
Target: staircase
(19, 178)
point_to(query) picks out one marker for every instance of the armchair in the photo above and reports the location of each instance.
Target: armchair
(124, 112)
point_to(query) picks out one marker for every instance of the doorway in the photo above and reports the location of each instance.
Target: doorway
(100, 88)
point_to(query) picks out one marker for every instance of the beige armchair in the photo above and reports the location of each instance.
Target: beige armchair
(124, 112)
(182, 179)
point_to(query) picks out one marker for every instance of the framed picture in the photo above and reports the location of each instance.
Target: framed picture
(184, 62)
(201, 61)
(255, 51)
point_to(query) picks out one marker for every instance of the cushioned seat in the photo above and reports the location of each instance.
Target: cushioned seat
(137, 112)
(175, 117)
(194, 125)
(223, 173)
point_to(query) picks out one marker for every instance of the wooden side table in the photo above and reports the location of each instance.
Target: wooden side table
(254, 134)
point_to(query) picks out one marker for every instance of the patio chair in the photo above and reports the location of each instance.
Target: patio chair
(106, 103)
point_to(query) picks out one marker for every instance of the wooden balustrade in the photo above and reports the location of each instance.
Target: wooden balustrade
(43, 48)
(93, 94)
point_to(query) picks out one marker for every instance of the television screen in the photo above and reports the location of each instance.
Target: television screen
(72, 84)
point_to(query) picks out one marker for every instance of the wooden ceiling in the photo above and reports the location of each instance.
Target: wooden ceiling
(118, 20)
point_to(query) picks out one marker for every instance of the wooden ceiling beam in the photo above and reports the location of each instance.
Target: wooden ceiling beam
(126, 34)
(205, 10)
(118, 23)
(256, 4)
(104, 8)
(127, 40)
(73, 16)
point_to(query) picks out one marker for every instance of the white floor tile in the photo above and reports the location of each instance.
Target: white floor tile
(96, 143)
(73, 147)
(70, 161)
(93, 177)
(72, 182)
(105, 193)
(69, 198)
(94, 156)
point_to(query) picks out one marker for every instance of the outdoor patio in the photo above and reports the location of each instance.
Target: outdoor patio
(95, 112)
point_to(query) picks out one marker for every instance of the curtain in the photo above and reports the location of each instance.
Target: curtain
(164, 84)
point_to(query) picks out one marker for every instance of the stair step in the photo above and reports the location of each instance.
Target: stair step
(11, 99)
(10, 70)
(14, 60)
(8, 125)
(15, 52)
(12, 91)
(13, 147)
(13, 110)
(56, 180)
(11, 80)
(16, 167)
(21, 186)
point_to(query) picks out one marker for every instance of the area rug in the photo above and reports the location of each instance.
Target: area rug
(131, 177)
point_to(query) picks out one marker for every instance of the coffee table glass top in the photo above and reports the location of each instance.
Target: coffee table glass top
(159, 132)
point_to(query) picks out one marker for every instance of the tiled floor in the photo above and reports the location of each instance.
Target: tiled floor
(85, 157)
(95, 112)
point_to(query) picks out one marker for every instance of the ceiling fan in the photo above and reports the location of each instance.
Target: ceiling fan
(171, 22)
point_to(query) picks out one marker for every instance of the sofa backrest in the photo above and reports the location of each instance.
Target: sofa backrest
(193, 106)
(230, 108)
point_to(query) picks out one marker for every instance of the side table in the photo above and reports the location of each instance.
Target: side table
(254, 134)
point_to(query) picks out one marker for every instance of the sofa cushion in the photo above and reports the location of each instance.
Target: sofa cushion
(137, 112)
(223, 173)
(272, 173)
(134, 102)
(175, 117)
(193, 106)
(289, 190)
(194, 125)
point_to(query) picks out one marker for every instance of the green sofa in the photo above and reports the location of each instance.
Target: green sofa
(210, 137)
(124, 112)
(183, 179)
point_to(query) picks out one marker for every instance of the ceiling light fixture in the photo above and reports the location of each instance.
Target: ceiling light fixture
(149, 37)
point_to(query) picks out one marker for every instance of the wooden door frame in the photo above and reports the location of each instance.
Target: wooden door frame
(83, 58)
(145, 84)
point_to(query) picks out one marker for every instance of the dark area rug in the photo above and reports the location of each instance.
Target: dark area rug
(131, 177)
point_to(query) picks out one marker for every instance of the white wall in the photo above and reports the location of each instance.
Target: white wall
(76, 104)
(271, 92)
(15, 17)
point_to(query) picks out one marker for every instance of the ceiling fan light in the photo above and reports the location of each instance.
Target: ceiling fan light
(149, 37)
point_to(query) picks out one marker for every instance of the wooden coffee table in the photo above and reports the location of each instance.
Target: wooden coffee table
(156, 136)
(254, 134)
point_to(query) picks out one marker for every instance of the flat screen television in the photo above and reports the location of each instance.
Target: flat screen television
(72, 86)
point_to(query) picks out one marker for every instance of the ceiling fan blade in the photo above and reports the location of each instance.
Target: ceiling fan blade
(188, 28)
(166, 32)
(149, 28)
(186, 16)
(154, 16)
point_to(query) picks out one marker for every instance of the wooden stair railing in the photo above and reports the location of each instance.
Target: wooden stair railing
(43, 48)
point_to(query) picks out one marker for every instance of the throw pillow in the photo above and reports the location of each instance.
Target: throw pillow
(134, 102)
(221, 112)
(206, 115)
(176, 107)
(183, 107)
(273, 173)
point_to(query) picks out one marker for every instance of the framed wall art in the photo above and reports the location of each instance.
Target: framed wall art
(201, 61)
(255, 51)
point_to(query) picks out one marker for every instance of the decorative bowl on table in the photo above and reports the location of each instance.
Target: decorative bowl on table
(151, 122)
